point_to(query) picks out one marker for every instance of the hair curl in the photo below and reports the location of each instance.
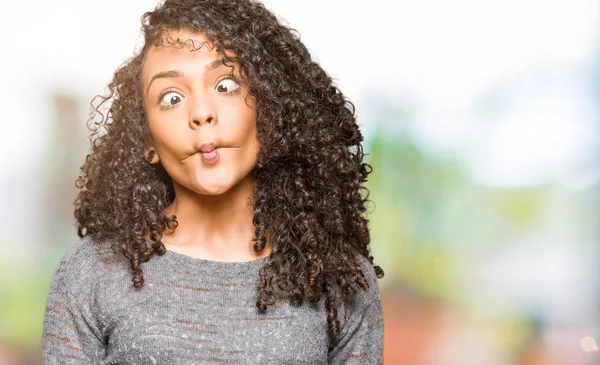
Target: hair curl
(309, 199)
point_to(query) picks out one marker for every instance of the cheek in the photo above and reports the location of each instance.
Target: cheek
(250, 125)
(252, 143)
(247, 138)
(167, 138)
(243, 129)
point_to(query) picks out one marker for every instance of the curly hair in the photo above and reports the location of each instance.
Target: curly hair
(310, 196)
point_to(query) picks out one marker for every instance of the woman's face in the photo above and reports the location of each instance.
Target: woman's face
(202, 128)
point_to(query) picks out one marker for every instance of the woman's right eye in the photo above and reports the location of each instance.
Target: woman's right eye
(170, 99)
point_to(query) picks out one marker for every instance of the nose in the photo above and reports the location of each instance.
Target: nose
(203, 112)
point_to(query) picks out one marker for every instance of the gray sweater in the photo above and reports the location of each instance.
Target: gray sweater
(194, 311)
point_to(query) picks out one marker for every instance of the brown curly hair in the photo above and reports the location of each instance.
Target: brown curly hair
(309, 198)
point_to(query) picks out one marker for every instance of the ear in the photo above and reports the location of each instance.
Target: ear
(151, 155)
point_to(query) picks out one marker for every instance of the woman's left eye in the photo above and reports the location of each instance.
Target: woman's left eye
(227, 86)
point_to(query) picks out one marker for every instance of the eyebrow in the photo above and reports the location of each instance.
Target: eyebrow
(177, 73)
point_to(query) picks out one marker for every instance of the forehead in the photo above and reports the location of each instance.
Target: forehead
(180, 49)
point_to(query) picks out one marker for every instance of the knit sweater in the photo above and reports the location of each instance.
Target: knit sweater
(194, 311)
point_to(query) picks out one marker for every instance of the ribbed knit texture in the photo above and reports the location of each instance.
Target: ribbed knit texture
(194, 311)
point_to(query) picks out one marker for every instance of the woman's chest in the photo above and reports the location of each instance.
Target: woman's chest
(206, 325)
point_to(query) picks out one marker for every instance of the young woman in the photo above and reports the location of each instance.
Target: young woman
(221, 207)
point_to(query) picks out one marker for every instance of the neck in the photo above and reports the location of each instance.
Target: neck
(216, 227)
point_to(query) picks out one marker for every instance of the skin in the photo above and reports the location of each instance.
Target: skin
(203, 106)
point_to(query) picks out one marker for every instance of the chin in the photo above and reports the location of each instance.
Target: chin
(215, 187)
(217, 184)
(212, 189)
(213, 192)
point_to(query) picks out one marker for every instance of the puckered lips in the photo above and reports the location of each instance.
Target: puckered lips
(209, 153)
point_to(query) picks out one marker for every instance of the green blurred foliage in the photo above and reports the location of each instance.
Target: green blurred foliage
(429, 218)
(23, 297)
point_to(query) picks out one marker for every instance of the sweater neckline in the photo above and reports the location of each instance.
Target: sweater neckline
(190, 260)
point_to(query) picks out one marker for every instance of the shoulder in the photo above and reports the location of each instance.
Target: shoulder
(85, 262)
(370, 276)
(362, 299)
(363, 310)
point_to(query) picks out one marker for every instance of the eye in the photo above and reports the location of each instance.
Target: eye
(170, 98)
(227, 86)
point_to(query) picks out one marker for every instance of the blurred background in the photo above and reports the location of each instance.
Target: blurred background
(481, 123)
